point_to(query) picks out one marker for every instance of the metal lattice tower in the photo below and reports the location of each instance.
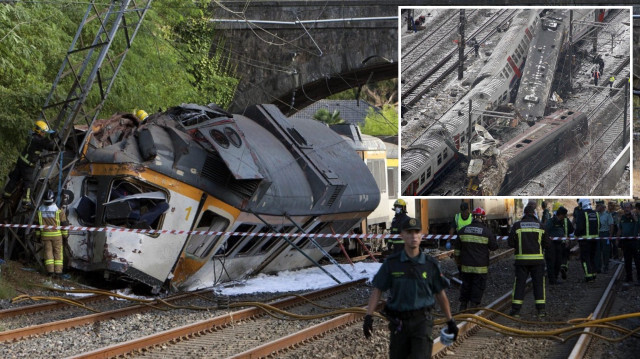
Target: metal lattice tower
(98, 49)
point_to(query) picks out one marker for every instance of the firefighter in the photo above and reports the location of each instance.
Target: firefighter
(529, 239)
(50, 215)
(612, 79)
(416, 283)
(472, 255)
(587, 228)
(628, 227)
(596, 77)
(400, 209)
(24, 169)
(557, 254)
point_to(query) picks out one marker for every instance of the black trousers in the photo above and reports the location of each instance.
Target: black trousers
(21, 171)
(473, 286)
(537, 279)
(566, 252)
(412, 339)
(587, 257)
(553, 256)
(631, 252)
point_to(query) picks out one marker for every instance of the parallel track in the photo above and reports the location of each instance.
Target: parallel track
(414, 89)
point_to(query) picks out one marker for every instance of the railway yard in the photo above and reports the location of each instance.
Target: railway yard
(208, 324)
(431, 92)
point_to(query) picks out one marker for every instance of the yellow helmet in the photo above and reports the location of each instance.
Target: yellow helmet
(400, 202)
(141, 115)
(556, 205)
(41, 128)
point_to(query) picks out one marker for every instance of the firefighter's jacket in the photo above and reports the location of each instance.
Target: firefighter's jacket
(587, 223)
(51, 215)
(529, 239)
(33, 149)
(472, 247)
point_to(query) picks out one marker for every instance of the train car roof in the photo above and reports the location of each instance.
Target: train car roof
(261, 162)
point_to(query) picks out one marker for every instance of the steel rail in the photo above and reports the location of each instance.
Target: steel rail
(299, 337)
(45, 307)
(207, 326)
(601, 310)
(17, 334)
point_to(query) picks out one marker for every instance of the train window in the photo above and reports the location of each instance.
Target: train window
(439, 158)
(220, 138)
(234, 240)
(86, 208)
(253, 240)
(305, 242)
(445, 154)
(233, 136)
(423, 177)
(505, 73)
(268, 245)
(462, 139)
(135, 204)
(521, 47)
(392, 174)
(377, 169)
(201, 245)
(429, 172)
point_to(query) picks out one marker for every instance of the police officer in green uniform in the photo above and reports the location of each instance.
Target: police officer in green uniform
(400, 209)
(416, 283)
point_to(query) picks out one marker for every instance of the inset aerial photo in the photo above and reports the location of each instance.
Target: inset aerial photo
(517, 102)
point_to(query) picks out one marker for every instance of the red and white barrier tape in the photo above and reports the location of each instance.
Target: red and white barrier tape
(264, 234)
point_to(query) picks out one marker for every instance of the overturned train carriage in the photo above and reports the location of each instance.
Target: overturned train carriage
(200, 168)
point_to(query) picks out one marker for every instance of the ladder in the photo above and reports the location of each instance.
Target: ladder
(73, 97)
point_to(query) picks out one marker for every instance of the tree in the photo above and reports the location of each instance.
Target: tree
(323, 115)
(381, 123)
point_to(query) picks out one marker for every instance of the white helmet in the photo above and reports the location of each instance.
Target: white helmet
(585, 203)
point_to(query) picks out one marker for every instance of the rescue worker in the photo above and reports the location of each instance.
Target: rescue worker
(603, 245)
(557, 260)
(461, 219)
(400, 209)
(628, 227)
(587, 228)
(612, 79)
(596, 76)
(545, 213)
(612, 208)
(141, 115)
(472, 255)
(529, 239)
(416, 283)
(24, 169)
(476, 46)
(50, 215)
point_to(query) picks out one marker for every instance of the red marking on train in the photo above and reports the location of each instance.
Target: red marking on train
(526, 31)
(514, 66)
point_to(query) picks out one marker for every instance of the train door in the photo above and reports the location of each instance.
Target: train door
(214, 216)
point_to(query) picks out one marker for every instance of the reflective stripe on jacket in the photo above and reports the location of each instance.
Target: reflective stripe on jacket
(528, 238)
(473, 245)
(51, 216)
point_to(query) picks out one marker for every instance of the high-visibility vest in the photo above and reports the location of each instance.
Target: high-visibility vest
(462, 222)
(612, 78)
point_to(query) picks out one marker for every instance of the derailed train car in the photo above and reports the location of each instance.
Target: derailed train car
(547, 141)
(199, 168)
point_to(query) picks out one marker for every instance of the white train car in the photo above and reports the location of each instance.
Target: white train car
(501, 213)
(433, 152)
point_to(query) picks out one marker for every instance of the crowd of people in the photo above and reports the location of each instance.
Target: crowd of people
(542, 246)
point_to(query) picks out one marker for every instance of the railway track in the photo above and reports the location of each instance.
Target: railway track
(229, 334)
(473, 340)
(416, 86)
(46, 325)
(412, 53)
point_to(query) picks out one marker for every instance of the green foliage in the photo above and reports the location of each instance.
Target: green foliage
(171, 61)
(330, 118)
(381, 123)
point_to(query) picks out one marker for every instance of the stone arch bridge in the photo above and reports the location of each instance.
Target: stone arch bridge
(293, 53)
